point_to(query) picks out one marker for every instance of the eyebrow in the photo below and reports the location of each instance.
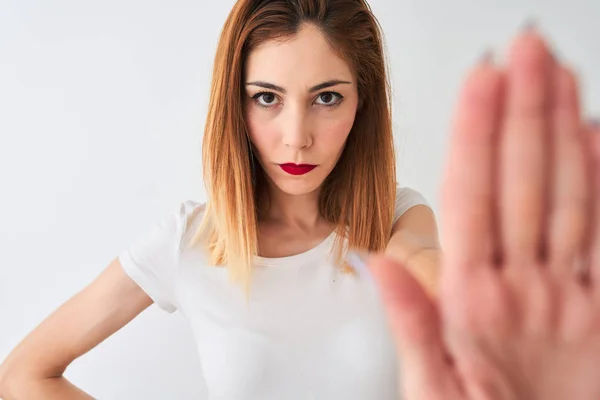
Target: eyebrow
(267, 85)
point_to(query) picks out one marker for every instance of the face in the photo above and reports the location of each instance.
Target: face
(301, 100)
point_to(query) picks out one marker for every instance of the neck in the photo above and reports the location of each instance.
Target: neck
(300, 211)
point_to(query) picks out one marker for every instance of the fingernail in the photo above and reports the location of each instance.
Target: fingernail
(529, 26)
(358, 261)
(487, 57)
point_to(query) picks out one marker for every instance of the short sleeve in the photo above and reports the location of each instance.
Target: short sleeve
(151, 261)
(407, 198)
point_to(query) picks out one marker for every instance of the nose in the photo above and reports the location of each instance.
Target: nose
(295, 132)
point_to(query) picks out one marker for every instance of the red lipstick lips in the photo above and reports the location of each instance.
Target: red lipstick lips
(297, 169)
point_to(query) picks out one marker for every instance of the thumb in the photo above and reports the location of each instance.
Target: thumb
(412, 315)
(416, 328)
(593, 143)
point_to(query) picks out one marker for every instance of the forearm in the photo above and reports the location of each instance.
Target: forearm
(424, 265)
(421, 258)
(43, 389)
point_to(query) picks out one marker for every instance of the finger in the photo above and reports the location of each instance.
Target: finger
(594, 252)
(415, 326)
(468, 189)
(523, 150)
(570, 192)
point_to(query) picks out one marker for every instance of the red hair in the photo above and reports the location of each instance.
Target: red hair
(358, 196)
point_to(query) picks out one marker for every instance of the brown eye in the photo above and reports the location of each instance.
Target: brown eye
(326, 97)
(265, 99)
(329, 99)
(268, 98)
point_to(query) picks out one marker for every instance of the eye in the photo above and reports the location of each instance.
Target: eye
(265, 99)
(329, 99)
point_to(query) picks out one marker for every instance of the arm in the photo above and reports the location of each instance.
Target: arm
(34, 369)
(415, 243)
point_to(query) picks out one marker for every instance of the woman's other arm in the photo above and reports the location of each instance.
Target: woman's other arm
(415, 244)
(34, 369)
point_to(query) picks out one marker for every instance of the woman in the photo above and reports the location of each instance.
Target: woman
(299, 168)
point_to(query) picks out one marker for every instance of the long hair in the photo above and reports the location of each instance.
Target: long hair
(358, 196)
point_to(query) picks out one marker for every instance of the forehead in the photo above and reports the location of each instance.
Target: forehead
(301, 61)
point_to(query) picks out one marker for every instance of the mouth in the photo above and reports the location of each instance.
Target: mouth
(297, 169)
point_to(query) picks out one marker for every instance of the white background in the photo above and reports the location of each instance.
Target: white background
(102, 106)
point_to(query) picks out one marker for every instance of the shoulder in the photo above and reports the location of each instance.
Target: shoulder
(187, 212)
(180, 223)
(191, 214)
(162, 240)
(176, 222)
(406, 198)
(188, 209)
(152, 259)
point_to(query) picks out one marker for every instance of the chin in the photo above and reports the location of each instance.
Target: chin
(297, 187)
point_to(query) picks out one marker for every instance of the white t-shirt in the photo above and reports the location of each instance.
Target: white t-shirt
(308, 331)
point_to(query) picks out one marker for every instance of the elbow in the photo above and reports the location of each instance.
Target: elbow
(17, 380)
(4, 381)
(8, 382)
(12, 382)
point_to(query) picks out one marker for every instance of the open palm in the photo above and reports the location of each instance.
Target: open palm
(518, 312)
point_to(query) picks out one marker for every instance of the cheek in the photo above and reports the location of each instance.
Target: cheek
(262, 132)
(333, 134)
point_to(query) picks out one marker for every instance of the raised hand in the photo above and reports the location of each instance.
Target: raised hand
(518, 312)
